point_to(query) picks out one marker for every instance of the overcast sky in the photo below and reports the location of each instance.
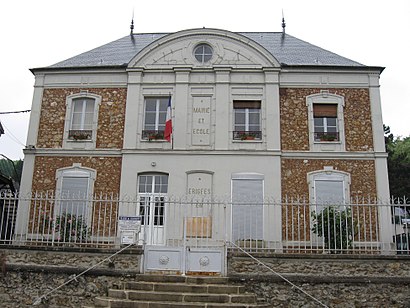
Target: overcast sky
(42, 32)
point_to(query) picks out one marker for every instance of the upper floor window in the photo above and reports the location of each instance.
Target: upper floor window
(247, 120)
(203, 53)
(81, 127)
(154, 118)
(326, 125)
(325, 122)
(81, 118)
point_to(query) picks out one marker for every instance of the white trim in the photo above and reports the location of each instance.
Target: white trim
(76, 171)
(328, 174)
(80, 144)
(324, 97)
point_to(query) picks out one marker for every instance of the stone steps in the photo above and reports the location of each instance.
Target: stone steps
(155, 291)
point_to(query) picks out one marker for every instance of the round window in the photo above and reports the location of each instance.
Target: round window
(203, 53)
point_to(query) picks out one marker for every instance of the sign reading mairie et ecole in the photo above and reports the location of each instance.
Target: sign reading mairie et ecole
(201, 121)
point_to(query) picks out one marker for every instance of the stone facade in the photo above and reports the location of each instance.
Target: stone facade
(295, 186)
(111, 116)
(294, 118)
(294, 175)
(108, 171)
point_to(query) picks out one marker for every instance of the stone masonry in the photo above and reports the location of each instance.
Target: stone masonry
(294, 118)
(111, 117)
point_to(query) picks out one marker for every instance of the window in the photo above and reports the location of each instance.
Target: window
(81, 119)
(328, 187)
(155, 117)
(203, 53)
(247, 206)
(74, 187)
(325, 122)
(247, 120)
(331, 222)
(326, 125)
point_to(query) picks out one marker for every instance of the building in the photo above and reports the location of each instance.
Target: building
(254, 116)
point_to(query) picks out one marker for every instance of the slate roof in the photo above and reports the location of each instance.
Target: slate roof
(288, 50)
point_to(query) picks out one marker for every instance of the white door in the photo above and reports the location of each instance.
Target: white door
(152, 190)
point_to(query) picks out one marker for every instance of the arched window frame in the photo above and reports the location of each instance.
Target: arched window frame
(324, 97)
(331, 175)
(80, 140)
(75, 171)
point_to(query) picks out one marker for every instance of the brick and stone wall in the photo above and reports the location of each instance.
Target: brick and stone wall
(294, 175)
(108, 171)
(295, 186)
(111, 117)
(107, 182)
(294, 118)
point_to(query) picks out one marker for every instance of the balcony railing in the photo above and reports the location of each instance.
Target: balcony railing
(326, 137)
(153, 135)
(80, 134)
(247, 135)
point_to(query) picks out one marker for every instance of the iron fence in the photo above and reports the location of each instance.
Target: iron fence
(291, 225)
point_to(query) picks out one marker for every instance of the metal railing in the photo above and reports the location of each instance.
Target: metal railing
(153, 135)
(329, 136)
(80, 134)
(247, 135)
(362, 226)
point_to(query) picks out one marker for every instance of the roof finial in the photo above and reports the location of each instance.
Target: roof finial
(283, 23)
(132, 23)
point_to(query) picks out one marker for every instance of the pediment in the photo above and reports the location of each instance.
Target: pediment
(229, 50)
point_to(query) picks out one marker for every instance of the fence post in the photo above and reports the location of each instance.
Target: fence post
(22, 218)
(386, 228)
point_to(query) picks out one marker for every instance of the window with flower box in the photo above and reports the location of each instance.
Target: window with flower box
(247, 120)
(154, 118)
(81, 119)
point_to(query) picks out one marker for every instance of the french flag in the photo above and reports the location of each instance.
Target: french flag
(168, 123)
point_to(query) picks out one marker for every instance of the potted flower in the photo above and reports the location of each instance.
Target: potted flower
(328, 137)
(247, 136)
(80, 135)
(155, 136)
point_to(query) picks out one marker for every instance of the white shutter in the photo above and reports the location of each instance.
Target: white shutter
(74, 194)
(329, 193)
(247, 209)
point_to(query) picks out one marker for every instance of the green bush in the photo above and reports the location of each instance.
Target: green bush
(335, 226)
(71, 228)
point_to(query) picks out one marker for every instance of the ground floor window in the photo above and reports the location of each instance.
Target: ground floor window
(247, 207)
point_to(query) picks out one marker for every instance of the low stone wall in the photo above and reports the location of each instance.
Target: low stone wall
(129, 259)
(28, 274)
(331, 280)
(334, 280)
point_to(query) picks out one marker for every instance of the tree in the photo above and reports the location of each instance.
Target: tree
(398, 162)
(11, 170)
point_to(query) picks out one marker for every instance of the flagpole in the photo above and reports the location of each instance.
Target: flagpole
(168, 133)
(172, 125)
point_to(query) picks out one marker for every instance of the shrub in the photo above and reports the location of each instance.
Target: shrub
(335, 226)
(71, 228)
